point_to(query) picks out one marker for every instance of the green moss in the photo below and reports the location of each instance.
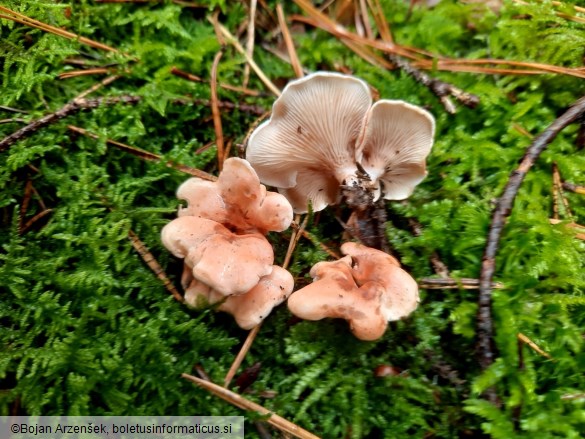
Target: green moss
(87, 328)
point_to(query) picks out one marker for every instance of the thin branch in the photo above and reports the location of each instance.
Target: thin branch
(245, 404)
(86, 72)
(221, 155)
(186, 75)
(13, 120)
(524, 339)
(27, 21)
(250, 42)
(234, 42)
(153, 264)
(13, 110)
(290, 46)
(443, 90)
(316, 242)
(294, 239)
(69, 109)
(34, 219)
(485, 326)
(76, 104)
(146, 155)
(241, 355)
(574, 188)
(464, 283)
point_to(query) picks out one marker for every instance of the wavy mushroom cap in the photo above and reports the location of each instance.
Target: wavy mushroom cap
(307, 148)
(251, 308)
(334, 293)
(236, 200)
(228, 263)
(396, 139)
(400, 296)
(367, 288)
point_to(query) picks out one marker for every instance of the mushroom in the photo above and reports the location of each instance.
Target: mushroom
(250, 308)
(395, 141)
(237, 200)
(219, 258)
(367, 287)
(324, 131)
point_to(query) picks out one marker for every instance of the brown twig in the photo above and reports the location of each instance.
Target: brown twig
(27, 21)
(13, 120)
(186, 75)
(241, 355)
(485, 326)
(245, 404)
(251, 40)
(234, 42)
(146, 155)
(152, 263)
(76, 104)
(290, 46)
(34, 219)
(443, 90)
(13, 110)
(87, 72)
(558, 194)
(294, 239)
(316, 242)
(215, 111)
(522, 338)
(464, 283)
(574, 188)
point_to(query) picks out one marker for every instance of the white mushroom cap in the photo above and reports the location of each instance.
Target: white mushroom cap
(228, 263)
(393, 146)
(307, 148)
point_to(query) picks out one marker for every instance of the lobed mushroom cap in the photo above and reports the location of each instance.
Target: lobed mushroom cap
(367, 288)
(203, 200)
(335, 294)
(228, 263)
(307, 148)
(236, 200)
(394, 144)
(251, 308)
(400, 296)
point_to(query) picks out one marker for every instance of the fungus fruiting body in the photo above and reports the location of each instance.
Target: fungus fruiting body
(220, 234)
(366, 287)
(250, 308)
(324, 133)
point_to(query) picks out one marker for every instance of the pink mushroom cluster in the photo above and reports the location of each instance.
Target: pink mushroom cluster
(221, 236)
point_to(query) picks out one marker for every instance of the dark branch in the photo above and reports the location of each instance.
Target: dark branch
(443, 90)
(70, 108)
(86, 104)
(485, 327)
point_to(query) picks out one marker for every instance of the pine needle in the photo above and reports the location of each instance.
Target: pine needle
(245, 404)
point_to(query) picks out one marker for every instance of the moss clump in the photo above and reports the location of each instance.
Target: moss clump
(87, 328)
